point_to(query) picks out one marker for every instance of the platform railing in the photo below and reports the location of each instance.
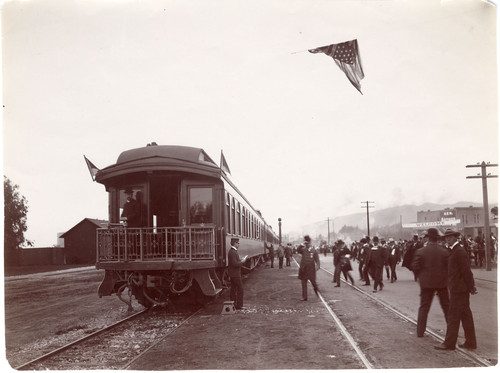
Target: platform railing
(120, 244)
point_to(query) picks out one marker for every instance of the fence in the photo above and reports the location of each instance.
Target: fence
(120, 244)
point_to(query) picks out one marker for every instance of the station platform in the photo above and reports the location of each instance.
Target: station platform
(277, 330)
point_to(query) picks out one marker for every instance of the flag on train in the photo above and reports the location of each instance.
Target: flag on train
(92, 168)
(346, 56)
(223, 164)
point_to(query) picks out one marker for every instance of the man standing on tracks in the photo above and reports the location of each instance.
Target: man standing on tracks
(376, 261)
(460, 285)
(367, 247)
(234, 271)
(394, 258)
(309, 264)
(340, 250)
(430, 265)
(288, 254)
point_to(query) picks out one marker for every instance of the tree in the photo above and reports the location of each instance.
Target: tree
(15, 211)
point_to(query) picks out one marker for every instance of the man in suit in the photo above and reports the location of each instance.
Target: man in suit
(340, 251)
(234, 271)
(309, 264)
(367, 246)
(394, 258)
(376, 260)
(271, 253)
(410, 252)
(460, 285)
(430, 265)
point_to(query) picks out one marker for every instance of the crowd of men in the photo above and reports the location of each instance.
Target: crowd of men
(403, 251)
(440, 262)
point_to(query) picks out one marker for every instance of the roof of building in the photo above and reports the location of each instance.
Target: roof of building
(97, 222)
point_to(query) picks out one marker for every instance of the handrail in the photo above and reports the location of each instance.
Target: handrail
(122, 244)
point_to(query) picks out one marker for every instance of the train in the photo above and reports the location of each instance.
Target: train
(172, 214)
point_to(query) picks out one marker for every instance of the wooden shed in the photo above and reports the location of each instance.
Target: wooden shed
(80, 241)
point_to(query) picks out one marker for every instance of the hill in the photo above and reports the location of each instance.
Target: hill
(378, 218)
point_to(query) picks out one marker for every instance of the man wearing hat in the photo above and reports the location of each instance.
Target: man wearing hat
(411, 248)
(460, 285)
(367, 246)
(376, 260)
(394, 258)
(131, 210)
(309, 264)
(430, 265)
(234, 272)
(340, 250)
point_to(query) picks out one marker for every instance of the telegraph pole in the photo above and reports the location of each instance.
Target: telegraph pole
(367, 206)
(328, 220)
(487, 234)
(279, 226)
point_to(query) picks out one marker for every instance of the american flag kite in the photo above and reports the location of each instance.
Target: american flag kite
(346, 56)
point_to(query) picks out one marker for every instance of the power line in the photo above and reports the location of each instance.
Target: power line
(487, 234)
(368, 207)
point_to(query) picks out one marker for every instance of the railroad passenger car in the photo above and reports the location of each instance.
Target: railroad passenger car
(172, 213)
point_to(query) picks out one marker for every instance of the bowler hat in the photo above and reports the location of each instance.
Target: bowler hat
(307, 238)
(450, 232)
(432, 232)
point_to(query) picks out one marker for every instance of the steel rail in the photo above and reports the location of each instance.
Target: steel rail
(344, 330)
(89, 336)
(127, 365)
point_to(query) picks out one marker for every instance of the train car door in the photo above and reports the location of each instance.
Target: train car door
(164, 202)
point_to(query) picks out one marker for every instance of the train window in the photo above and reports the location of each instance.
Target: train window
(233, 222)
(228, 214)
(132, 206)
(243, 221)
(238, 218)
(200, 205)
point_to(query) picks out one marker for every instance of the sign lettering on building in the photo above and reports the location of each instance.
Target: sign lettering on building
(429, 224)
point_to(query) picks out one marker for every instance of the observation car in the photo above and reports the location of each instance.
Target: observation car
(172, 214)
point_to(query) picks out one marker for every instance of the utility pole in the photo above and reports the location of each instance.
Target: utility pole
(279, 226)
(487, 234)
(328, 220)
(367, 206)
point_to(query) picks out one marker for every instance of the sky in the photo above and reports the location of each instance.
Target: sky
(98, 77)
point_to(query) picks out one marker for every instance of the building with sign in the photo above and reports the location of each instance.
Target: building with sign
(466, 220)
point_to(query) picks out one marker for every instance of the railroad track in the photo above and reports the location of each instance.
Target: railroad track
(115, 346)
(468, 354)
(362, 356)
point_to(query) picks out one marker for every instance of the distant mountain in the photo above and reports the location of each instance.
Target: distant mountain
(389, 216)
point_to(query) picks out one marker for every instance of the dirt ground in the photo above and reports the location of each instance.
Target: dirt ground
(279, 331)
(275, 331)
(45, 310)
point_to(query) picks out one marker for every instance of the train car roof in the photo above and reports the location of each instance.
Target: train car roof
(159, 158)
